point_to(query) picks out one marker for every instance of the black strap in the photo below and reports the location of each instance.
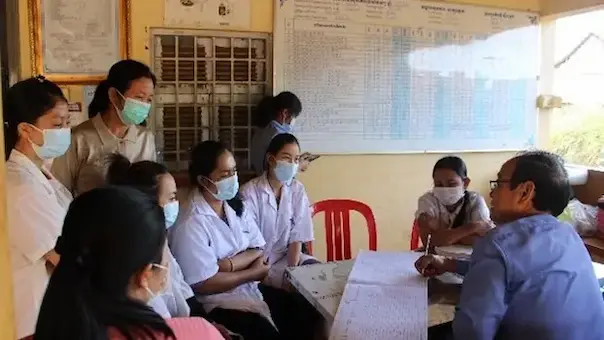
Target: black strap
(461, 215)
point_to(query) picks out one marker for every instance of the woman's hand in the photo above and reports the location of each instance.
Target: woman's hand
(260, 268)
(481, 228)
(428, 222)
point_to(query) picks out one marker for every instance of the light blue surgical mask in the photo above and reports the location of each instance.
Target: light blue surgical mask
(227, 188)
(56, 143)
(285, 171)
(283, 128)
(171, 213)
(134, 111)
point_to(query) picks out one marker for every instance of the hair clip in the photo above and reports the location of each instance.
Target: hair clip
(40, 78)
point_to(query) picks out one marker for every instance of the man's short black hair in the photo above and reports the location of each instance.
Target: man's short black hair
(546, 170)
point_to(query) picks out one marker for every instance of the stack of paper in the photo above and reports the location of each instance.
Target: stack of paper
(385, 298)
(457, 251)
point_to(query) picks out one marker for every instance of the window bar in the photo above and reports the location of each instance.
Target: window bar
(177, 99)
(213, 119)
(196, 119)
(232, 90)
(249, 102)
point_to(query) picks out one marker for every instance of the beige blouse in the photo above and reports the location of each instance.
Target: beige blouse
(84, 165)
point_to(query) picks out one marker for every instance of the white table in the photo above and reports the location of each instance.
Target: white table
(323, 285)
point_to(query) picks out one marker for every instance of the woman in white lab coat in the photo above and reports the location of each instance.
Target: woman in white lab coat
(219, 248)
(281, 209)
(36, 130)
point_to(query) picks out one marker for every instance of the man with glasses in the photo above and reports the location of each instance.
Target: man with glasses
(530, 277)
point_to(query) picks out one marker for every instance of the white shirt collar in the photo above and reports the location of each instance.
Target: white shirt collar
(204, 208)
(40, 174)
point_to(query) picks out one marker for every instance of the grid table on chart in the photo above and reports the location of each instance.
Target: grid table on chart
(371, 81)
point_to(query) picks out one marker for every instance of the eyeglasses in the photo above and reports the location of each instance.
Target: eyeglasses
(160, 266)
(495, 184)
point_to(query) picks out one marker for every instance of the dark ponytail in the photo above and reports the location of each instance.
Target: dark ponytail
(101, 251)
(264, 112)
(269, 107)
(120, 77)
(460, 219)
(143, 175)
(203, 161)
(25, 102)
(100, 102)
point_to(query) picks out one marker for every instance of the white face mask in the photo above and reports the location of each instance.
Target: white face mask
(449, 195)
(164, 284)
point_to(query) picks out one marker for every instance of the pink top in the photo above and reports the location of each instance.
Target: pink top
(184, 329)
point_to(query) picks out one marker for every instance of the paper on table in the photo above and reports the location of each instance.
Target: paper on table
(386, 269)
(385, 298)
(461, 252)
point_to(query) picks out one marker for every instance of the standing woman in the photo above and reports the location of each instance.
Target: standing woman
(219, 248)
(274, 115)
(36, 131)
(120, 104)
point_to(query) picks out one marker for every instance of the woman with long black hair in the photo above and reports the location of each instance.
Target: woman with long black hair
(113, 261)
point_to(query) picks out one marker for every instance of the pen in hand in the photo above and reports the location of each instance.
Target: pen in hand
(427, 250)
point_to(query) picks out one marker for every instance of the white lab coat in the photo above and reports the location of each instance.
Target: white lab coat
(36, 207)
(281, 224)
(173, 302)
(201, 238)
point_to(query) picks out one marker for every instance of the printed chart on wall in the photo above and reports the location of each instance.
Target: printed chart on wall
(379, 76)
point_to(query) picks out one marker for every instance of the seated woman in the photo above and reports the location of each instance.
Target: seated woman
(154, 179)
(114, 260)
(451, 213)
(280, 208)
(218, 246)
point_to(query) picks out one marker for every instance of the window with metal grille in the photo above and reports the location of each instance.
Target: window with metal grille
(208, 85)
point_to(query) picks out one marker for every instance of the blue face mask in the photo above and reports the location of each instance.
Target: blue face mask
(56, 143)
(134, 111)
(283, 128)
(226, 188)
(285, 171)
(171, 213)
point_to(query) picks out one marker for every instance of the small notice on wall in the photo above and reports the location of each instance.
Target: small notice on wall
(208, 13)
(76, 115)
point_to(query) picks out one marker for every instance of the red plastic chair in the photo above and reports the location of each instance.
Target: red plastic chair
(337, 226)
(414, 236)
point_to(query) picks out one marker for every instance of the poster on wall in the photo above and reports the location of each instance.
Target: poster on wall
(76, 42)
(208, 13)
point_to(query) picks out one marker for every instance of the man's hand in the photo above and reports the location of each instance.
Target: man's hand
(434, 265)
